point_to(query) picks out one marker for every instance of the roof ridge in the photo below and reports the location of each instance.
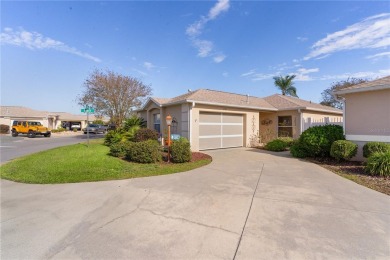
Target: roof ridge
(245, 95)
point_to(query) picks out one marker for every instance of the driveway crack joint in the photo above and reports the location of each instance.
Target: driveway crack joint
(187, 220)
(249, 211)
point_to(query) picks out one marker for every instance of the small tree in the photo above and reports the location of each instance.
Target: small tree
(328, 98)
(286, 85)
(113, 95)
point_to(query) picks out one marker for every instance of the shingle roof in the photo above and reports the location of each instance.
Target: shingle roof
(207, 96)
(382, 83)
(272, 103)
(19, 111)
(286, 102)
(24, 112)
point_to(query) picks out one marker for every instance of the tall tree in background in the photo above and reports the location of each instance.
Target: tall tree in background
(113, 95)
(286, 85)
(328, 99)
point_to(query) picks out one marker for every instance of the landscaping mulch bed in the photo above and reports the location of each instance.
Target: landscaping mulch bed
(354, 171)
(196, 156)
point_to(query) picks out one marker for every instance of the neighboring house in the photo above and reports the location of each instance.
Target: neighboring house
(214, 119)
(52, 120)
(367, 112)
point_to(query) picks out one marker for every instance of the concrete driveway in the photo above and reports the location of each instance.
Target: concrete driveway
(247, 204)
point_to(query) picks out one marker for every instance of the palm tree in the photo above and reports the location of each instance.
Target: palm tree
(286, 85)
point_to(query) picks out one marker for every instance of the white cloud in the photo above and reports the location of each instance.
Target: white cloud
(148, 65)
(221, 6)
(302, 39)
(219, 58)
(370, 33)
(34, 40)
(379, 55)
(205, 47)
(361, 74)
(140, 72)
(302, 74)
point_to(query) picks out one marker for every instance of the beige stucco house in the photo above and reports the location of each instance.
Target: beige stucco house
(52, 120)
(214, 119)
(367, 112)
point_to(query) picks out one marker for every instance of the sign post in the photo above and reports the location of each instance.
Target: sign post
(87, 109)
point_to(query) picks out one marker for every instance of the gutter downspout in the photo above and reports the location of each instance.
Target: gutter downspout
(301, 121)
(190, 121)
(343, 101)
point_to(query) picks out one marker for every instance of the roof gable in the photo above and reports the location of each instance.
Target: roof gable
(282, 102)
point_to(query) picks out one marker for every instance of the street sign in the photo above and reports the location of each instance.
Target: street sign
(88, 110)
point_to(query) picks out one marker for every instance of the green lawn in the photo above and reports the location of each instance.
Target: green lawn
(79, 163)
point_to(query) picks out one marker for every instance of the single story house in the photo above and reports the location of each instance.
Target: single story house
(366, 112)
(214, 119)
(52, 120)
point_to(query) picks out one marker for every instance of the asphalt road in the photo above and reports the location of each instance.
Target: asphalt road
(14, 147)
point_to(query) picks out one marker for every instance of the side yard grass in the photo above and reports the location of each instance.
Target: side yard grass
(354, 171)
(79, 163)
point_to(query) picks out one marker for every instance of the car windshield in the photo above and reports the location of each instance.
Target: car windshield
(93, 125)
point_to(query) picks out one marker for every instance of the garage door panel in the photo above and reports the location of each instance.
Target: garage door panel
(231, 118)
(206, 130)
(232, 130)
(232, 142)
(210, 118)
(219, 130)
(210, 143)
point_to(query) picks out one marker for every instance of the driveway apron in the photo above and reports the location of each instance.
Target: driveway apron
(246, 204)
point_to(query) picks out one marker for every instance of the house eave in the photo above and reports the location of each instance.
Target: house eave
(356, 90)
(312, 109)
(228, 105)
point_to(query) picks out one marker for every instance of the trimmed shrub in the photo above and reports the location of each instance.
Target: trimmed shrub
(343, 150)
(297, 150)
(120, 149)
(134, 121)
(129, 135)
(288, 140)
(379, 164)
(373, 147)
(181, 151)
(276, 145)
(144, 152)
(112, 137)
(145, 134)
(4, 129)
(75, 130)
(317, 140)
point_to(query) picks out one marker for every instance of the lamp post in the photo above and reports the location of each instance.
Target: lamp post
(169, 123)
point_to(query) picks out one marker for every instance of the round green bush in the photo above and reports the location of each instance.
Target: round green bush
(181, 151)
(144, 152)
(373, 147)
(288, 140)
(297, 150)
(317, 140)
(120, 149)
(343, 150)
(145, 134)
(379, 164)
(276, 145)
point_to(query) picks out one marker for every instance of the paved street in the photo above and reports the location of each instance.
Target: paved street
(14, 147)
(247, 204)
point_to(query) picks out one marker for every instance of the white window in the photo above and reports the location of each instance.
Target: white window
(156, 122)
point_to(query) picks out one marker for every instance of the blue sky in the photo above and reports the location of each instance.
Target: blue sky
(48, 48)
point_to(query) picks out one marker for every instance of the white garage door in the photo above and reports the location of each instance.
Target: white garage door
(219, 130)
